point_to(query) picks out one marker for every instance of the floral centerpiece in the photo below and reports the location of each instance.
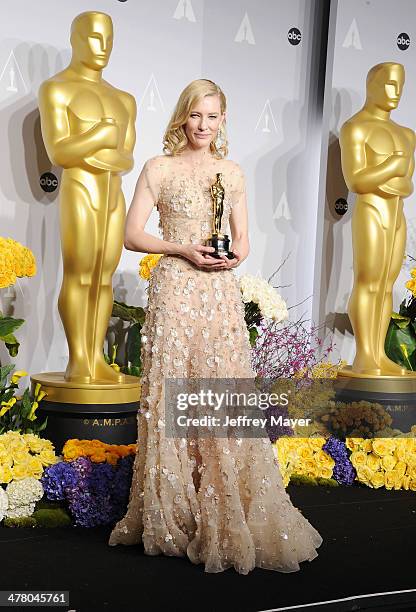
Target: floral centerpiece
(400, 344)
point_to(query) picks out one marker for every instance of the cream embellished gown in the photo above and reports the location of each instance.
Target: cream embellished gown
(221, 502)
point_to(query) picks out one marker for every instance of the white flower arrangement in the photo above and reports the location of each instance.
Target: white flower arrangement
(270, 303)
(22, 496)
(4, 503)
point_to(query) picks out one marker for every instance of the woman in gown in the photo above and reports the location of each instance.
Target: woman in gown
(219, 501)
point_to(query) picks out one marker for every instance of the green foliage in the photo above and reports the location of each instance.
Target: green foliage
(135, 316)
(56, 517)
(21, 521)
(300, 479)
(8, 325)
(20, 416)
(400, 344)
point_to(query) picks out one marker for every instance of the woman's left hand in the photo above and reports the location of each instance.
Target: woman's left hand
(231, 263)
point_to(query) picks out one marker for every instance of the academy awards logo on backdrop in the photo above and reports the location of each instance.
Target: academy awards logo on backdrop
(184, 10)
(294, 36)
(266, 122)
(403, 41)
(48, 182)
(282, 209)
(151, 99)
(341, 206)
(353, 38)
(245, 32)
(11, 78)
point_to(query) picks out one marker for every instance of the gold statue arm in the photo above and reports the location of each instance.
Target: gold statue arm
(62, 148)
(116, 160)
(359, 177)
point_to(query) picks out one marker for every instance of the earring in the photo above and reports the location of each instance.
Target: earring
(220, 139)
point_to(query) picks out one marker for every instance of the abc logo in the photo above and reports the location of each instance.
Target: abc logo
(403, 41)
(48, 182)
(341, 206)
(294, 36)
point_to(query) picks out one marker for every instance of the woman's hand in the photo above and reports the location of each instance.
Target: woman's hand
(200, 256)
(232, 263)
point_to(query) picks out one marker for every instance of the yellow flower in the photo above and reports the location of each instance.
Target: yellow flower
(6, 474)
(147, 263)
(383, 446)
(17, 375)
(377, 480)
(389, 461)
(389, 479)
(354, 443)
(400, 468)
(20, 470)
(35, 467)
(364, 474)
(412, 485)
(358, 458)
(373, 462)
(326, 472)
(47, 457)
(324, 460)
(5, 406)
(32, 416)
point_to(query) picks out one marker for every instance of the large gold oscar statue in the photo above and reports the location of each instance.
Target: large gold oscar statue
(88, 127)
(378, 163)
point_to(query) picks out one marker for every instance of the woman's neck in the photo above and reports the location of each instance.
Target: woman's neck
(197, 156)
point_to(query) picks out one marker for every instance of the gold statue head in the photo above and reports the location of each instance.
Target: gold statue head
(92, 39)
(385, 85)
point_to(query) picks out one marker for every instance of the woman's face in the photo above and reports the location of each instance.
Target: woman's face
(203, 122)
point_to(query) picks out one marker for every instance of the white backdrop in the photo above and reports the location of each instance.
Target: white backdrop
(274, 123)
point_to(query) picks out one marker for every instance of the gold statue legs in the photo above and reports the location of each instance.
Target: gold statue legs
(379, 240)
(87, 284)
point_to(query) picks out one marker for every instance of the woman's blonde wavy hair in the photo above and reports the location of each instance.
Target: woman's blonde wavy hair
(175, 139)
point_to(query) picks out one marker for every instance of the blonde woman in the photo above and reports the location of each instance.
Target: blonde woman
(221, 500)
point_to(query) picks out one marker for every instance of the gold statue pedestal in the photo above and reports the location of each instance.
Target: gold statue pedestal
(396, 394)
(99, 410)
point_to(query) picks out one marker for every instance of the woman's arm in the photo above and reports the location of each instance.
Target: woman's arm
(145, 197)
(239, 222)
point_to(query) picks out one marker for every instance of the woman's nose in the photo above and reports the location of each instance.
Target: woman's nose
(202, 124)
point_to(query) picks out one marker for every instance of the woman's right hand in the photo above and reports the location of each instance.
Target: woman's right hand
(200, 256)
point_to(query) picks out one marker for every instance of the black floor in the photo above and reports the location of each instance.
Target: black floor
(369, 547)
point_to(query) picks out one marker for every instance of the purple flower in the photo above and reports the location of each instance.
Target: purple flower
(344, 471)
(57, 479)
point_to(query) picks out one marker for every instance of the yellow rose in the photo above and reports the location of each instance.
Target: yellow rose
(354, 443)
(364, 474)
(48, 457)
(358, 458)
(377, 480)
(406, 482)
(20, 470)
(305, 453)
(412, 485)
(412, 472)
(35, 467)
(389, 479)
(326, 472)
(20, 456)
(383, 446)
(316, 443)
(400, 468)
(388, 462)
(373, 462)
(36, 444)
(5, 474)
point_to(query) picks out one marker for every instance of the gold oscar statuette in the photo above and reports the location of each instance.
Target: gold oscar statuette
(88, 127)
(219, 241)
(377, 158)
